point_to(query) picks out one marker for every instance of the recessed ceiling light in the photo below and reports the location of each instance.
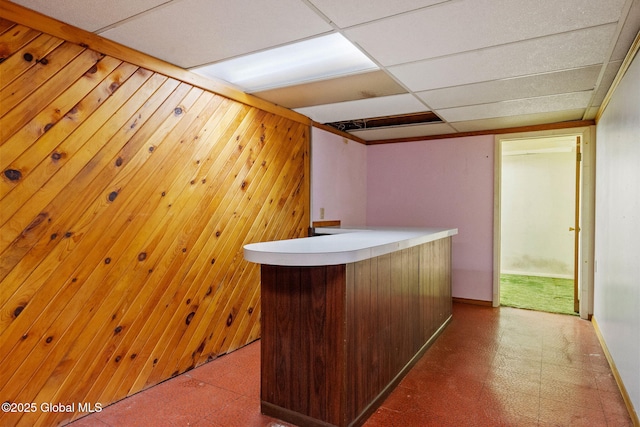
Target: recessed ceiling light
(313, 59)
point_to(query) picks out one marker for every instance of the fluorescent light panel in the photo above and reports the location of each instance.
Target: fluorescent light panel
(314, 59)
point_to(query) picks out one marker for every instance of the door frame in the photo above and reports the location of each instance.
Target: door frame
(587, 210)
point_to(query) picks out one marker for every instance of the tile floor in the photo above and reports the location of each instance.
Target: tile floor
(490, 367)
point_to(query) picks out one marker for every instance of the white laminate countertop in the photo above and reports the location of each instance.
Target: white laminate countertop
(341, 245)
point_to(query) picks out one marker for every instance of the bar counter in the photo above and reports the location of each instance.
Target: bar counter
(345, 316)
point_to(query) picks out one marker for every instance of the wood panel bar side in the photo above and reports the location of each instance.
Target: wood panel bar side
(397, 304)
(302, 347)
(349, 333)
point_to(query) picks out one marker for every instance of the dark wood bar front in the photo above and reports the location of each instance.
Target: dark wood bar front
(336, 339)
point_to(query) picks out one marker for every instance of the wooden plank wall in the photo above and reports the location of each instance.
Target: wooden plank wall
(126, 197)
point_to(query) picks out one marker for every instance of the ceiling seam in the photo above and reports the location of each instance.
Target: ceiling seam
(342, 32)
(607, 60)
(137, 15)
(515, 42)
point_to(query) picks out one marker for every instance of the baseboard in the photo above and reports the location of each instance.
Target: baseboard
(326, 223)
(297, 418)
(616, 375)
(473, 301)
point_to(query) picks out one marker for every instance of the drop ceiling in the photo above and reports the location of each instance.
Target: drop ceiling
(476, 64)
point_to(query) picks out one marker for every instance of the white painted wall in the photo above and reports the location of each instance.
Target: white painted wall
(617, 233)
(338, 178)
(538, 207)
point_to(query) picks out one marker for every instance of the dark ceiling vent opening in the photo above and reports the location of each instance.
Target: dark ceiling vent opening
(387, 121)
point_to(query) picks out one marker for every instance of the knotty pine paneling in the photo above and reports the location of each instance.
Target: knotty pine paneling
(126, 199)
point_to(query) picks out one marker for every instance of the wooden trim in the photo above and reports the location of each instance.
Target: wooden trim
(533, 128)
(21, 15)
(614, 370)
(576, 226)
(472, 301)
(327, 223)
(635, 47)
(281, 413)
(339, 133)
(307, 176)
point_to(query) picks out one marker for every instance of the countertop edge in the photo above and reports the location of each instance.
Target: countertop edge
(389, 239)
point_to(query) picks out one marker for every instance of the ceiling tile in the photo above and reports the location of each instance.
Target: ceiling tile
(552, 53)
(515, 88)
(364, 108)
(460, 26)
(90, 15)
(190, 33)
(348, 88)
(404, 132)
(518, 121)
(345, 14)
(628, 32)
(467, 58)
(518, 107)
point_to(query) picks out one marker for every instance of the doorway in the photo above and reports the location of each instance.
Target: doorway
(537, 233)
(538, 244)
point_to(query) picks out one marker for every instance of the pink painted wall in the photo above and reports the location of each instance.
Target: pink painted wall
(440, 183)
(338, 178)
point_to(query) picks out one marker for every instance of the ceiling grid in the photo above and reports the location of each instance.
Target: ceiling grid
(474, 64)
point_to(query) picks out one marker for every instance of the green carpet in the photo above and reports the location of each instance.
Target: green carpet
(537, 293)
